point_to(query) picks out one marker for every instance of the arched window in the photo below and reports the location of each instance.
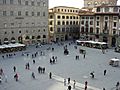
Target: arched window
(67, 22)
(51, 29)
(38, 37)
(51, 22)
(58, 17)
(6, 39)
(12, 38)
(67, 29)
(70, 22)
(44, 36)
(58, 22)
(91, 29)
(77, 23)
(82, 29)
(73, 22)
(98, 9)
(67, 17)
(33, 37)
(51, 16)
(27, 37)
(63, 17)
(63, 23)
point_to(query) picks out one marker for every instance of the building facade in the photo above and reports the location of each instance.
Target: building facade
(93, 3)
(24, 21)
(105, 26)
(87, 24)
(63, 23)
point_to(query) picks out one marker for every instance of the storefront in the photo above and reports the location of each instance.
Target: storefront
(6, 48)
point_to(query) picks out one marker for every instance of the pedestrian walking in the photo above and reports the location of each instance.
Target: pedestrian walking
(103, 88)
(33, 61)
(74, 82)
(76, 57)
(43, 70)
(84, 56)
(50, 75)
(28, 66)
(39, 69)
(0, 80)
(51, 61)
(69, 80)
(14, 69)
(3, 57)
(1, 72)
(69, 87)
(64, 82)
(33, 75)
(92, 74)
(56, 58)
(86, 83)
(105, 72)
(117, 85)
(16, 77)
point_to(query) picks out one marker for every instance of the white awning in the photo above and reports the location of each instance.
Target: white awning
(6, 41)
(6, 46)
(19, 44)
(92, 42)
(1, 47)
(114, 59)
(12, 45)
(12, 40)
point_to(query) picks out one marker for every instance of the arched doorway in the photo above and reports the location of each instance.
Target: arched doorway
(113, 42)
(66, 37)
(57, 39)
(38, 39)
(6, 41)
(105, 39)
(12, 40)
(0, 42)
(20, 40)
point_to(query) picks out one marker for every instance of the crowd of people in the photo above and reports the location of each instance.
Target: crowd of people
(42, 70)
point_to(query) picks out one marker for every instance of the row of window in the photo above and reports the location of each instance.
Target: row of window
(114, 23)
(33, 37)
(27, 37)
(98, 18)
(27, 31)
(98, 3)
(87, 17)
(26, 13)
(67, 10)
(86, 30)
(108, 9)
(20, 2)
(67, 23)
(68, 29)
(67, 17)
(98, 23)
(5, 25)
(86, 22)
(65, 29)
